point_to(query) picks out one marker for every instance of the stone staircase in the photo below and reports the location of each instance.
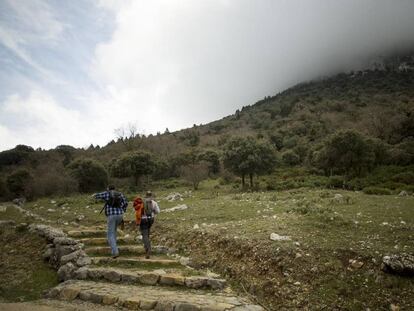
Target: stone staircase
(135, 283)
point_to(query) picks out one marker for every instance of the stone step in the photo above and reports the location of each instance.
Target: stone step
(90, 233)
(155, 277)
(103, 241)
(125, 250)
(134, 297)
(135, 262)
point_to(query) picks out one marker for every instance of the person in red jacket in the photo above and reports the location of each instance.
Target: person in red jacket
(145, 211)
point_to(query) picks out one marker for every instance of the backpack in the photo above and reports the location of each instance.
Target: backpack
(148, 208)
(115, 199)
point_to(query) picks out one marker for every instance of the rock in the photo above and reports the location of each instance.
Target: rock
(129, 278)
(109, 299)
(248, 308)
(7, 223)
(72, 257)
(176, 208)
(394, 307)
(3, 209)
(112, 276)
(19, 201)
(171, 279)
(195, 282)
(186, 307)
(83, 261)
(64, 241)
(66, 272)
(149, 278)
(80, 218)
(402, 264)
(164, 306)
(403, 194)
(81, 273)
(48, 253)
(147, 304)
(174, 197)
(69, 293)
(216, 283)
(277, 237)
(132, 303)
(355, 264)
(196, 226)
(185, 261)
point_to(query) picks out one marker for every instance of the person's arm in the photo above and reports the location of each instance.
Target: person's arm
(102, 196)
(155, 207)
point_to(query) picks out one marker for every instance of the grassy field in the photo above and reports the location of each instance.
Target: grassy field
(329, 230)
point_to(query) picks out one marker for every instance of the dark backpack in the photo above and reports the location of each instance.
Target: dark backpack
(115, 199)
(148, 208)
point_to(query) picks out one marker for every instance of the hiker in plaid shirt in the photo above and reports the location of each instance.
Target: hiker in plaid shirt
(115, 207)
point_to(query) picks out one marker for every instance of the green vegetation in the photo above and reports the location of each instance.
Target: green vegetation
(24, 275)
(347, 126)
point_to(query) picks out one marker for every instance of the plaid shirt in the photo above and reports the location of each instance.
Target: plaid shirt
(110, 210)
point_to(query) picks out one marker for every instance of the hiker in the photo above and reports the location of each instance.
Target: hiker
(145, 211)
(115, 206)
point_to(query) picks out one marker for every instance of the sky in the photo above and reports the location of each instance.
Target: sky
(73, 72)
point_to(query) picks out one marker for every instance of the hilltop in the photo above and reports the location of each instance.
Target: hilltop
(377, 102)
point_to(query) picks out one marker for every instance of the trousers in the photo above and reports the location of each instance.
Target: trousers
(113, 222)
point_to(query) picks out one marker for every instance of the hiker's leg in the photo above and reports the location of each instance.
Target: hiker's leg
(111, 233)
(145, 236)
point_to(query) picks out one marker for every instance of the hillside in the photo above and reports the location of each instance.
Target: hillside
(378, 103)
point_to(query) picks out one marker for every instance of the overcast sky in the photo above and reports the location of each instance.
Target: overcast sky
(71, 72)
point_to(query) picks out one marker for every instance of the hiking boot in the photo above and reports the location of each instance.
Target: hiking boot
(148, 254)
(115, 256)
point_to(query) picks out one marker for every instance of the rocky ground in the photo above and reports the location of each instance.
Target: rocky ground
(294, 250)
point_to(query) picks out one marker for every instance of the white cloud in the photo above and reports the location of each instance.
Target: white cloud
(37, 120)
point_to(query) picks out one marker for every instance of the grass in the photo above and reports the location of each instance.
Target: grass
(325, 231)
(24, 275)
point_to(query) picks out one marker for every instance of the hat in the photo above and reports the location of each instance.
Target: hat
(148, 194)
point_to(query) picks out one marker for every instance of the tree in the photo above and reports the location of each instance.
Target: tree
(213, 161)
(195, 173)
(346, 152)
(247, 156)
(19, 182)
(90, 174)
(133, 164)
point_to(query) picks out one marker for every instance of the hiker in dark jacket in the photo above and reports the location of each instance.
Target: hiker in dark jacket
(145, 211)
(115, 207)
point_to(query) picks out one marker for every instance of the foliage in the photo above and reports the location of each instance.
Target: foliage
(195, 173)
(247, 156)
(346, 152)
(290, 158)
(133, 164)
(20, 182)
(90, 174)
(213, 161)
(16, 155)
(377, 190)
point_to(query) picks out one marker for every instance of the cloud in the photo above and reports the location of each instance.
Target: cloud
(37, 120)
(196, 61)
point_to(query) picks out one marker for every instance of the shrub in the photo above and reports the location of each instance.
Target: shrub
(376, 190)
(290, 158)
(336, 182)
(20, 183)
(90, 174)
(405, 178)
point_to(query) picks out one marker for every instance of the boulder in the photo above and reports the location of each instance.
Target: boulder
(176, 208)
(277, 237)
(66, 272)
(402, 264)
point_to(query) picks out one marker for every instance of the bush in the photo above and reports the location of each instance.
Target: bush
(20, 183)
(90, 174)
(336, 182)
(52, 182)
(404, 178)
(290, 158)
(376, 190)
